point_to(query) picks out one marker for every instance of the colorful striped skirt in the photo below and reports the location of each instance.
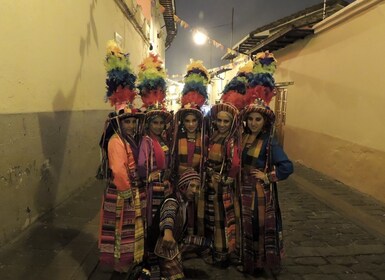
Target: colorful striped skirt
(216, 218)
(121, 235)
(261, 226)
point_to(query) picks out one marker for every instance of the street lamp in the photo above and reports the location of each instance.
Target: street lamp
(199, 37)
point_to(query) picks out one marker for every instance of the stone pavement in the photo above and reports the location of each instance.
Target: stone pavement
(61, 245)
(330, 232)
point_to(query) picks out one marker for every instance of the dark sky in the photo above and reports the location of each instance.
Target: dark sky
(215, 17)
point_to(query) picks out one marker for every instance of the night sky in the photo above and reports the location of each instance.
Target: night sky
(215, 17)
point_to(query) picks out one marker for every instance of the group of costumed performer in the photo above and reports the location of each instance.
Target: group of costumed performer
(232, 150)
(238, 204)
(135, 159)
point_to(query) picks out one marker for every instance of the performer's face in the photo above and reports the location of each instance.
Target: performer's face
(128, 126)
(192, 188)
(190, 122)
(157, 126)
(223, 122)
(255, 122)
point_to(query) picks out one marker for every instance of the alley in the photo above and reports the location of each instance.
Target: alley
(330, 232)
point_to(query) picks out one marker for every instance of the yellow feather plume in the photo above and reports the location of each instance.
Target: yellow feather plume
(265, 54)
(113, 48)
(197, 64)
(247, 68)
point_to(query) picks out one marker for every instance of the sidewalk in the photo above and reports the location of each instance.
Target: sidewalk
(61, 246)
(330, 232)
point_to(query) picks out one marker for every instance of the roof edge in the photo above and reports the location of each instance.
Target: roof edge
(298, 14)
(349, 11)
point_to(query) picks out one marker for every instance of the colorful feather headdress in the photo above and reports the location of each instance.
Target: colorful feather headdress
(264, 62)
(234, 92)
(194, 93)
(262, 84)
(261, 87)
(120, 81)
(152, 87)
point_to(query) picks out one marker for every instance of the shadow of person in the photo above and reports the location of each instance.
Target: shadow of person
(56, 133)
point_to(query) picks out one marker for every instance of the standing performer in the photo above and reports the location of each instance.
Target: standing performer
(217, 205)
(263, 164)
(154, 154)
(189, 131)
(121, 238)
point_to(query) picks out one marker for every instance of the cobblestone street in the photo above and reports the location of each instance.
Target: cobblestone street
(330, 232)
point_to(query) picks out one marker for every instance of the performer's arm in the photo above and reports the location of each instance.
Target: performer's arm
(167, 222)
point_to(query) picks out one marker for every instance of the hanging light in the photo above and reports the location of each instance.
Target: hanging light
(199, 37)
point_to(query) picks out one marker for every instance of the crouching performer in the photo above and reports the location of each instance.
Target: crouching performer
(169, 229)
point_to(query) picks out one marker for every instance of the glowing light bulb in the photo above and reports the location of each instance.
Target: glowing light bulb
(199, 37)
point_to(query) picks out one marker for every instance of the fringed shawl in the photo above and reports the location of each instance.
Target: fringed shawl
(186, 159)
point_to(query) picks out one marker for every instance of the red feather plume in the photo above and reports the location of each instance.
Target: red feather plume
(193, 98)
(122, 95)
(234, 98)
(264, 93)
(153, 97)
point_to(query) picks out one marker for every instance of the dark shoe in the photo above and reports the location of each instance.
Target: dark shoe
(273, 272)
(222, 264)
(208, 259)
(261, 272)
(235, 259)
(207, 256)
(240, 268)
(118, 275)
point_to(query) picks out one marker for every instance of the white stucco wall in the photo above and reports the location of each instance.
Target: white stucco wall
(335, 111)
(52, 81)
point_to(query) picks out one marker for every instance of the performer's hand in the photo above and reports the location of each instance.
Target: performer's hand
(155, 175)
(216, 177)
(258, 174)
(168, 240)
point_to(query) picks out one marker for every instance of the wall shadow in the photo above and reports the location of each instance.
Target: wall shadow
(51, 234)
(54, 129)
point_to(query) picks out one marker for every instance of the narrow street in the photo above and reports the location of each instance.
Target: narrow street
(330, 232)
